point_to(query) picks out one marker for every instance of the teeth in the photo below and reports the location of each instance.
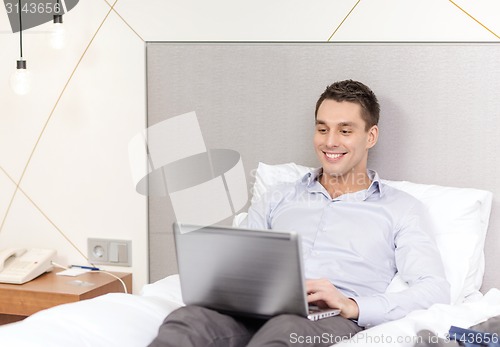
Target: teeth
(333, 155)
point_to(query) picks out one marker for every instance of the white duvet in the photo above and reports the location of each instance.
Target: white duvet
(123, 320)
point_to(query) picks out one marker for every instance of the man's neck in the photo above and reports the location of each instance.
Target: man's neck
(345, 184)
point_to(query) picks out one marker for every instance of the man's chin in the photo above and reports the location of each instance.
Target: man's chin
(332, 173)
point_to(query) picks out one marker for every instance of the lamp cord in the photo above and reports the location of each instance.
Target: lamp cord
(20, 30)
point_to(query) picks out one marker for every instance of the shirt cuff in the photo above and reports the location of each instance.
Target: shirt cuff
(371, 310)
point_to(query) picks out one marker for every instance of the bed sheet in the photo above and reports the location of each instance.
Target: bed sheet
(133, 320)
(437, 319)
(115, 319)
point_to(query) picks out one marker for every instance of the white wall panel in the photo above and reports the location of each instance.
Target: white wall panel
(23, 117)
(80, 173)
(227, 20)
(410, 20)
(26, 227)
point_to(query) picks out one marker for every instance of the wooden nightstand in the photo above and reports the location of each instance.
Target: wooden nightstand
(19, 301)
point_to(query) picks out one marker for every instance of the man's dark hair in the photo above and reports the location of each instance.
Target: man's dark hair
(357, 92)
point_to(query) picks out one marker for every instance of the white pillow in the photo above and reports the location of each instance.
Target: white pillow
(269, 175)
(461, 216)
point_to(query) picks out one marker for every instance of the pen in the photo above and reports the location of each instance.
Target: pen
(86, 267)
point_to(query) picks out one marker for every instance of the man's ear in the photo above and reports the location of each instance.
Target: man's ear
(372, 137)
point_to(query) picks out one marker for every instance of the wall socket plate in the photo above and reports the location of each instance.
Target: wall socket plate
(109, 252)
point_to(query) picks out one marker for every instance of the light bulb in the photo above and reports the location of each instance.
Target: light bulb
(58, 33)
(20, 80)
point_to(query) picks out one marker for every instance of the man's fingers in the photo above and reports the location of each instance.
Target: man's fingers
(313, 297)
(317, 285)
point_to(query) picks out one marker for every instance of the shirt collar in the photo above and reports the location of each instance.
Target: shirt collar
(310, 177)
(376, 185)
(311, 181)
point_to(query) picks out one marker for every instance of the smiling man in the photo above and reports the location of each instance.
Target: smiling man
(356, 234)
(344, 132)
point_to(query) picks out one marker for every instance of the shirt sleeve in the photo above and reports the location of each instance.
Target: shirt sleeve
(259, 214)
(419, 263)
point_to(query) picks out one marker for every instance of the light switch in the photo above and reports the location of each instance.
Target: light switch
(123, 253)
(113, 252)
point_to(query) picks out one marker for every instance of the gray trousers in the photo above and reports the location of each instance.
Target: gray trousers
(202, 327)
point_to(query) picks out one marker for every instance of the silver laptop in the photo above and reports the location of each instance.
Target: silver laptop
(247, 272)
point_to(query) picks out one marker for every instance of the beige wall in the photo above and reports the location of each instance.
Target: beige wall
(64, 171)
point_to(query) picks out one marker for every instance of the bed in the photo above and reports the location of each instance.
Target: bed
(460, 214)
(438, 132)
(438, 124)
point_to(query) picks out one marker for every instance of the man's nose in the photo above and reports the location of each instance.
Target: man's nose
(332, 140)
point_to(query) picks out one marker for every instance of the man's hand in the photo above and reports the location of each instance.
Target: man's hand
(324, 294)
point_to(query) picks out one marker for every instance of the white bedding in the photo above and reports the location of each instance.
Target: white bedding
(110, 320)
(437, 319)
(123, 320)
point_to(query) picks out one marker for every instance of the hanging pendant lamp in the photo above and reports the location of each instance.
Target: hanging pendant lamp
(20, 80)
(58, 32)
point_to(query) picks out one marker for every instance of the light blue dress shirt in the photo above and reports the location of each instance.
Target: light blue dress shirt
(359, 241)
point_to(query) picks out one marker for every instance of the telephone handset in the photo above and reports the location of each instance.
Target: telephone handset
(18, 265)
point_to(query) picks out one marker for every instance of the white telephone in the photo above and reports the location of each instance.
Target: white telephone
(19, 265)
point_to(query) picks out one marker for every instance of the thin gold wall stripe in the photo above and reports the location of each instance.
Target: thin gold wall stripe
(53, 224)
(343, 20)
(133, 30)
(123, 19)
(481, 24)
(44, 214)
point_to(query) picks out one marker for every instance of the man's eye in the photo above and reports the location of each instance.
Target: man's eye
(322, 130)
(345, 131)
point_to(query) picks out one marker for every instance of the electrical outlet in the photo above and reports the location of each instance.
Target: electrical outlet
(110, 252)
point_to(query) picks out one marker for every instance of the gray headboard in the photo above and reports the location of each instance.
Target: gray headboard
(439, 124)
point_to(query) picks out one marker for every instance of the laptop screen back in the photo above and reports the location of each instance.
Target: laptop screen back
(241, 271)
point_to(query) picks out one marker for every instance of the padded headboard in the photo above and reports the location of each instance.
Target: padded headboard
(439, 124)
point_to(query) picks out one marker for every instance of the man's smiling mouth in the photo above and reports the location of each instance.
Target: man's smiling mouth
(333, 155)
